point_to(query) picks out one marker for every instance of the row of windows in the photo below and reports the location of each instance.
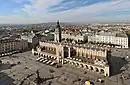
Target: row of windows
(11, 46)
(92, 53)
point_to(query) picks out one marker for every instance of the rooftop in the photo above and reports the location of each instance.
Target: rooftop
(8, 40)
(87, 45)
(121, 35)
(106, 34)
(112, 34)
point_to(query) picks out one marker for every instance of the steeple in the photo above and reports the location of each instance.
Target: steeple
(58, 31)
(58, 24)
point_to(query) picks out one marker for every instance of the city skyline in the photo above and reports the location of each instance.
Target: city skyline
(84, 11)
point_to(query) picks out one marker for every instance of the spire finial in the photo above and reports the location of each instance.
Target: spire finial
(58, 22)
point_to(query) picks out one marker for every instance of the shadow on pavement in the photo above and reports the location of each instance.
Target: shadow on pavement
(5, 79)
(4, 66)
(116, 64)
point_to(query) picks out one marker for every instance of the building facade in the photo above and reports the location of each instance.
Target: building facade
(32, 39)
(76, 37)
(119, 40)
(11, 45)
(88, 58)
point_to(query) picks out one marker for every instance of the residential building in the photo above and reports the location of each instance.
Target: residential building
(76, 37)
(12, 45)
(118, 39)
(32, 39)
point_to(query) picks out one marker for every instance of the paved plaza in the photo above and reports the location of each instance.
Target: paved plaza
(24, 64)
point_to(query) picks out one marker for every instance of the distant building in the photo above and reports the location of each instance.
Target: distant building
(15, 36)
(50, 37)
(119, 40)
(69, 35)
(76, 37)
(45, 37)
(10, 45)
(32, 39)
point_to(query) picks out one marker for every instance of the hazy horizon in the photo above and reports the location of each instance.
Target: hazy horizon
(74, 11)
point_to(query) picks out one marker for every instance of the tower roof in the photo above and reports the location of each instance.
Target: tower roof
(58, 24)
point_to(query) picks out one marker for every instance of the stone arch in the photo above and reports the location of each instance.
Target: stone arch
(51, 49)
(65, 61)
(96, 69)
(87, 66)
(82, 65)
(44, 48)
(46, 55)
(99, 60)
(53, 57)
(49, 56)
(91, 68)
(102, 71)
(69, 62)
(82, 54)
(72, 63)
(77, 64)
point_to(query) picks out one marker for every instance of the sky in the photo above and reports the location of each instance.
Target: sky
(80, 11)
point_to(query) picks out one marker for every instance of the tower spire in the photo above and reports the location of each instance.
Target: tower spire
(58, 24)
(58, 35)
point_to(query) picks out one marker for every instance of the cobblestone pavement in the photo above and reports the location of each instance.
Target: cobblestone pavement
(68, 75)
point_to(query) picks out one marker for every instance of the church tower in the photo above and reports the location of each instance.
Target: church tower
(58, 31)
